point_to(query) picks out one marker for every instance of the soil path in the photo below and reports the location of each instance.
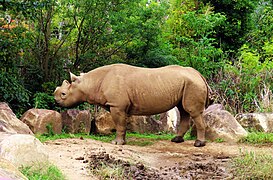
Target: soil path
(167, 160)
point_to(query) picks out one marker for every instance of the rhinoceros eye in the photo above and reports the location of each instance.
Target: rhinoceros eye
(63, 95)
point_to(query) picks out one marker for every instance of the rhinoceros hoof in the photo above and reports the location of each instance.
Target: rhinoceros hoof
(177, 139)
(118, 142)
(199, 143)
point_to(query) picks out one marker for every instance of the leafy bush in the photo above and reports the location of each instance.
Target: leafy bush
(13, 92)
(245, 86)
(193, 41)
(43, 101)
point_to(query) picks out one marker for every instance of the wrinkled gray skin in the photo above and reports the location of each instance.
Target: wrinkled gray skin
(127, 90)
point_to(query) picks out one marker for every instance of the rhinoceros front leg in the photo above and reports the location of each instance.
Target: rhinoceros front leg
(119, 118)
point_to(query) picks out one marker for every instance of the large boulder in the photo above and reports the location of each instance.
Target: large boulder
(76, 121)
(9, 172)
(214, 107)
(10, 123)
(142, 124)
(22, 149)
(257, 121)
(170, 120)
(104, 123)
(221, 124)
(43, 120)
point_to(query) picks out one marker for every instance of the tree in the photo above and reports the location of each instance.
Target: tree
(261, 31)
(191, 29)
(112, 31)
(231, 34)
(13, 41)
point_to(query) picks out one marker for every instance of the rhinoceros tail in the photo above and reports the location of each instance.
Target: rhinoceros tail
(210, 98)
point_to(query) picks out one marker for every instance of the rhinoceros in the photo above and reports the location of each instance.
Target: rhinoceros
(127, 90)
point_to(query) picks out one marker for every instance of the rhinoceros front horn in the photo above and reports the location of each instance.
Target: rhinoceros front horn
(65, 83)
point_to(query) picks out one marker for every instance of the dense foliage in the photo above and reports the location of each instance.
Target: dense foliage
(229, 42)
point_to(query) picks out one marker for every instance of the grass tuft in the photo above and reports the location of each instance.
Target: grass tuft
(253, 166)
(260, 138)
(109, 172)
(42, 172)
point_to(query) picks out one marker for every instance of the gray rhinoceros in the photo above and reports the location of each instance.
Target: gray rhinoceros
(126, 90)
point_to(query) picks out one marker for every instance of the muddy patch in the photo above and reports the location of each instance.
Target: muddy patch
(84, 159)
(101, 161)
(199, 166)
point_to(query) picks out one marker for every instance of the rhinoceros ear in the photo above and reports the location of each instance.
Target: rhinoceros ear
(74, 78)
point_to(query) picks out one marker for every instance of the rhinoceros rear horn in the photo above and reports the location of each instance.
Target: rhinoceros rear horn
(74, 78)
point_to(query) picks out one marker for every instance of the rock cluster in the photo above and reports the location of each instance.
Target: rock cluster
(17, 140)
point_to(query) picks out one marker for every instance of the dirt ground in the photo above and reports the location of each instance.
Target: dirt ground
(162, 160)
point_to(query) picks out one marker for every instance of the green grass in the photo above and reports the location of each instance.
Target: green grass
(159, 136)
(46, 137)
(219, 140)
(136, 139)
(253, 166)
(42, 172)
(260, 138)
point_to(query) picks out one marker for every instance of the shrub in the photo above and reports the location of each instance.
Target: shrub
(245, 85)
(13, 92)
(43, 101)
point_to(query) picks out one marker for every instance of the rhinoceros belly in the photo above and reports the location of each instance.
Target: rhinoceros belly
(153, 98)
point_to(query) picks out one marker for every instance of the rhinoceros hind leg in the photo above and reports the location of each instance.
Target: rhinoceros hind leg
(183, 127)
(200, 127)
(199, 143)
(118, 142)
(177, 139)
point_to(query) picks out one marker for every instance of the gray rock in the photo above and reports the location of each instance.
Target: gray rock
(170, 120)
(222, 124)
(214, 107)
(142, 124)
(9, 171)
(257, 121)
(22, 150)
(76, 121)
(104, 123)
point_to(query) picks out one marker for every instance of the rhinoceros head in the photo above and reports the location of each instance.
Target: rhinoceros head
(69, 94)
